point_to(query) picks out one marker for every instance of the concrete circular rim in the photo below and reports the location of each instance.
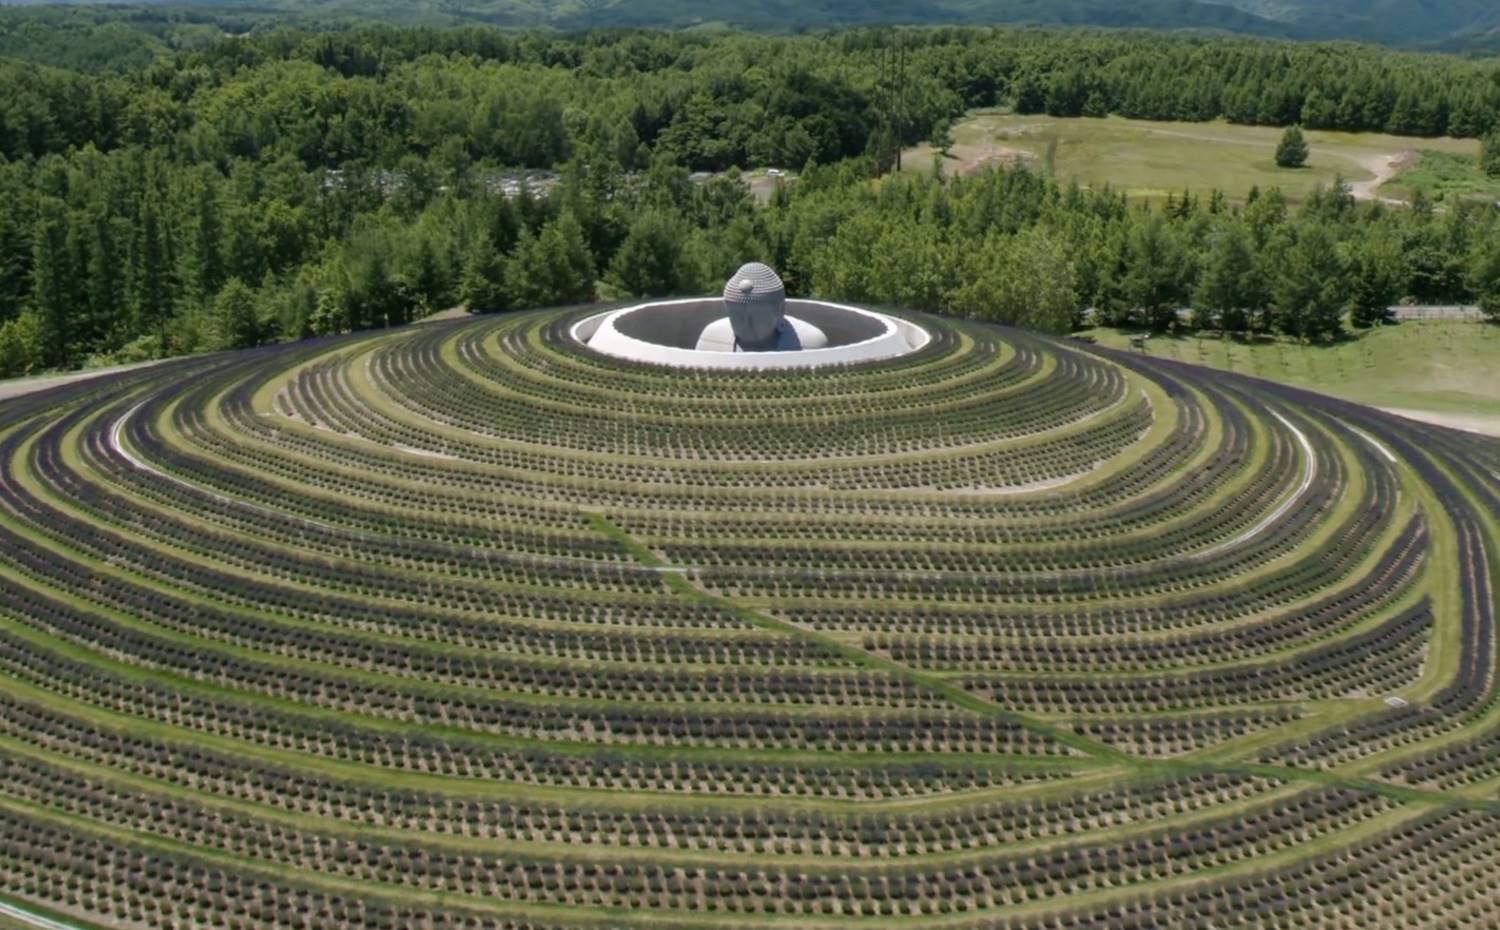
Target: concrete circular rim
(897, 337)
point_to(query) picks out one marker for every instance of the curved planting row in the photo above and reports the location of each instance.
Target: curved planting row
(467, 626)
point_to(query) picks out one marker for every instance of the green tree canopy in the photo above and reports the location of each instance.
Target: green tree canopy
(551, 268)
(1311, 287)
(351, 180)
(649, 261)
(1027, 279)
(54, 278)
(22, 346)
(1379, 276)
(481, 283)
(1489, 154)
(234, 322)
(1484, 277)
(1155, 279)
(1231, 288)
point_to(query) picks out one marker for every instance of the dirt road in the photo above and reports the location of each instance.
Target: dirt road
(1383, 167)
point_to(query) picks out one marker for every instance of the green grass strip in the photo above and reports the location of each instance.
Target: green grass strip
(857, 656)
(972, 702)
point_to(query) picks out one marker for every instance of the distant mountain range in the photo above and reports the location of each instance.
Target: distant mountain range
(1451, 24)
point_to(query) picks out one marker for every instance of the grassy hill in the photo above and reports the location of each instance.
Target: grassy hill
(467, 625)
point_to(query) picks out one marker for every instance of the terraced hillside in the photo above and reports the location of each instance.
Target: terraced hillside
(463, 626)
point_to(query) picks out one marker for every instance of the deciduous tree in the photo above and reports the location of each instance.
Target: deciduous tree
(1024, 280)
(233, 321)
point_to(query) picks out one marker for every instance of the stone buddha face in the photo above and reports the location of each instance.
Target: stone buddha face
(755, 300)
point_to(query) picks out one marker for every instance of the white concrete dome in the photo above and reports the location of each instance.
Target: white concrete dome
(696, 333)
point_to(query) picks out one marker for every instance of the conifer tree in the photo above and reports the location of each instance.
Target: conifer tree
(574, 267)
(51, 281)
(1489, 154)
(1378, 278)
(1231, 286)
(1484, 277)
(104, 274)
(553, 268)
(1292, 151)
(424, 276)
(1311, 289)
(202, 256)
(525, 272)
(647, 263)
(481, 282)
(150, 281)
(1155, 278)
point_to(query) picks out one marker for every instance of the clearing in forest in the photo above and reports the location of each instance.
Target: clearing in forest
(1153, 159)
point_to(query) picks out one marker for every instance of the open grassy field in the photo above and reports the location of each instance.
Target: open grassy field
(1435, 366)
(1153, 159)
(467, 626)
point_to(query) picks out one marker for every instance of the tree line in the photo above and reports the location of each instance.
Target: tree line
(379, 93)
(295, 183)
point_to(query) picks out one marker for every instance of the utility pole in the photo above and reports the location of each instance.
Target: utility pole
(891, 97)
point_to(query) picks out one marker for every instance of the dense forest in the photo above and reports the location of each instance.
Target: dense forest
(1453, 25)
(291, 183)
